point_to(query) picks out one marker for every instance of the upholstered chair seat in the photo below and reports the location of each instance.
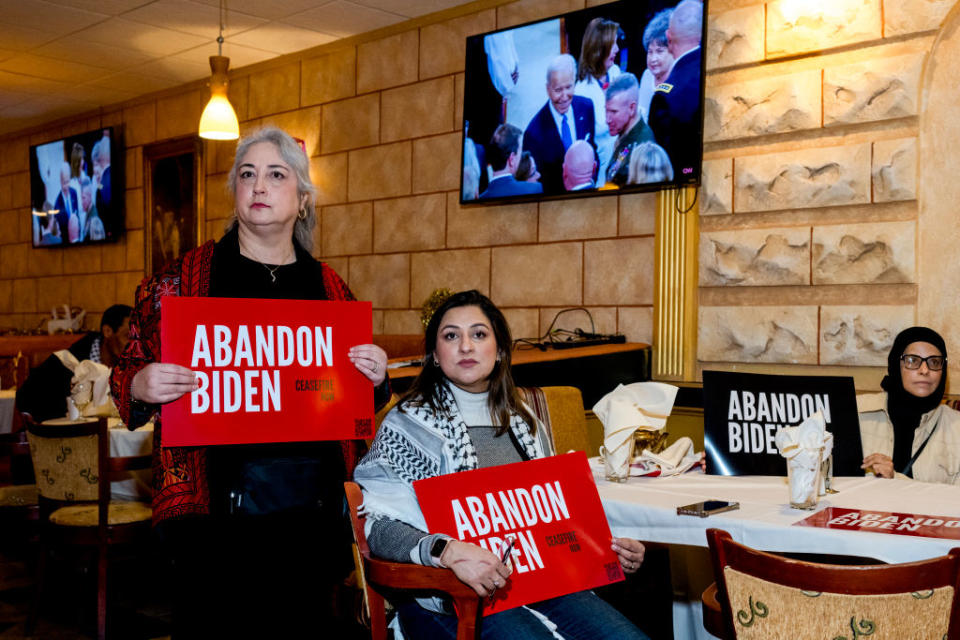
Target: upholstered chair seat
(85, 515)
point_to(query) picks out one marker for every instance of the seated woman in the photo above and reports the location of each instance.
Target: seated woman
(464, 412)
(907, 432)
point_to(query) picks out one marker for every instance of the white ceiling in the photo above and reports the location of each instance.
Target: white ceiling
(63, 57)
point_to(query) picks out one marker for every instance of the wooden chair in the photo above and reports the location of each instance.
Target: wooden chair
(21, 494)
(381, 577)
(561, 411)
(72, 462)
(762, 595)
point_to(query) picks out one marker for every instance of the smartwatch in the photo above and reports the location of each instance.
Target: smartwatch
(437, 549)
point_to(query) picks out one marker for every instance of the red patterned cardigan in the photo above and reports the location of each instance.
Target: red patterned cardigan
(180, 481)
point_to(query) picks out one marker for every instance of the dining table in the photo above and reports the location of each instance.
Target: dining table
(645, 508)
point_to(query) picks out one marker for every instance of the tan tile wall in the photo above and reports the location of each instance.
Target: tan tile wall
(809, 204)
(381, 119)
(809, 243)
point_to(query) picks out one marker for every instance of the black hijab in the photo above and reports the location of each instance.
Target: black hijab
(904, 408)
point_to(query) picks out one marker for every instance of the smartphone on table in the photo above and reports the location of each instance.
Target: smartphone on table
(707, 508)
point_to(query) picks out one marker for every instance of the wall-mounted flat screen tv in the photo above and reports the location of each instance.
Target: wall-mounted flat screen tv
(76, 189)
(605, 98)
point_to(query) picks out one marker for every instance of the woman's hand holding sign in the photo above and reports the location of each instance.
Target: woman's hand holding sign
(161, 382)
(371, 361)
(630, 553)
(476, 567)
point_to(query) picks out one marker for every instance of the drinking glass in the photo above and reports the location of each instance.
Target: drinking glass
(803, 476)
(616, 466)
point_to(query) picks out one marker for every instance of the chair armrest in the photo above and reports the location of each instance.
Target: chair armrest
(398, 575)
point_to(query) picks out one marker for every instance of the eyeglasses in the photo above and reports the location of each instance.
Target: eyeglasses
(934, 363)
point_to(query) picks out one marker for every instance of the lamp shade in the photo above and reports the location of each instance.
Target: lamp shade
(219, 121)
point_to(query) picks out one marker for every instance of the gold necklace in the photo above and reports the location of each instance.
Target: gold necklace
(272, 271)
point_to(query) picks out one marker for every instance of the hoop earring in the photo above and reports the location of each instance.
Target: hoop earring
(302, 214)
(436, 362)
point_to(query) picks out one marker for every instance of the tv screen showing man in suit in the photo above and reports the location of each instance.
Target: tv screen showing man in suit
(72, 192)
(623, 79)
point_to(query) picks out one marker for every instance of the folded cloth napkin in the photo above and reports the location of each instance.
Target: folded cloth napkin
(804, 446)
(672, 461)
(90, 390)
(641, 405)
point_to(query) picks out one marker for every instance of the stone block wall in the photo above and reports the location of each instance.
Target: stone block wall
(809, 207)
(381, 118)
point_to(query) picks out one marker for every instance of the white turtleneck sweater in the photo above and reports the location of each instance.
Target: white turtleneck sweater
(398, 541)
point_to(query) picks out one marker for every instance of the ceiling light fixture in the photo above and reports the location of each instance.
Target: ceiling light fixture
(219, 120)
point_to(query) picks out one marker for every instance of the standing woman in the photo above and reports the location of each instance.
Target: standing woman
(596, 69)
(906, 431)
(256, 533)
(659, 59)
(464, 412)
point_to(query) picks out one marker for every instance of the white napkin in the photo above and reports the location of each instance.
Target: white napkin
(803, 446)
(672, 461)
(90, 390)
(641, 405)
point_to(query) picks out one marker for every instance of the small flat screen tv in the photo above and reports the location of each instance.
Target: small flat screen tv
(596, 100)
(76, 189)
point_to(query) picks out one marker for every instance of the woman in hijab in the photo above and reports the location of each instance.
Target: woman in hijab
(906, 431)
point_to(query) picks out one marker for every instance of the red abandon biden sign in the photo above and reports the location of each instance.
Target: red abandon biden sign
(268, 370)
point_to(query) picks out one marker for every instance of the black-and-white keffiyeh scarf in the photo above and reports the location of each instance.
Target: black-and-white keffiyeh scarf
(419, 443)
(409, 463)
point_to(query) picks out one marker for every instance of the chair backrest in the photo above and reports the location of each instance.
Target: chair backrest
(561, 411)
(380, 415)
(763, 595)
(66, 460)
(559, 408)
(69, 460)
(374, 601)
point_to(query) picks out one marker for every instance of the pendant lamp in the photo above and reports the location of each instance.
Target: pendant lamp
(219, 120)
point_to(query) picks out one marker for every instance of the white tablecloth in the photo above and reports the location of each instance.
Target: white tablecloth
(646, 509)
(7, 399)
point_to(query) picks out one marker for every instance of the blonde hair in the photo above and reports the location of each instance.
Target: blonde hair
(649, 163)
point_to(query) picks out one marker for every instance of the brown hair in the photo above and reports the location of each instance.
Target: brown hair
(504, 398)
(77, 154)
(598, 39)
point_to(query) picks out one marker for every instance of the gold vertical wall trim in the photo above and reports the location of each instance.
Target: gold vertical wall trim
(674, 305)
